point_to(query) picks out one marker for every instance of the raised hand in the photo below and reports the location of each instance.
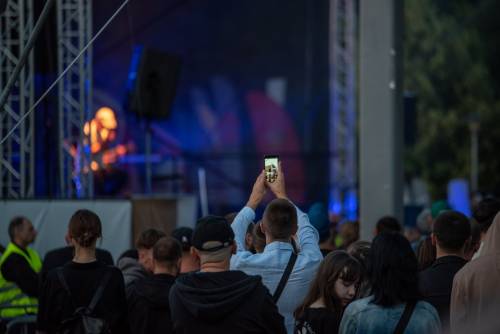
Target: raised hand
(278, 186)
(258, 192)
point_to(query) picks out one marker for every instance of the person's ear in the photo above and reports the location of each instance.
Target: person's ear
(179, 265)
(263, 228)
(233, 248)
(194, 252)
(433, 239)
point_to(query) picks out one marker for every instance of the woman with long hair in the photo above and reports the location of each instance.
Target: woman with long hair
(333, 288)
(395, 304)
(83, 285)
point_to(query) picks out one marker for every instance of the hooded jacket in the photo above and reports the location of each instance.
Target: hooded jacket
(131, 270)
(223, 302)
(149, 310)
(475, 298)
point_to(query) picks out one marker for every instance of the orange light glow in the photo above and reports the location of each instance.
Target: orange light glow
(94, 166)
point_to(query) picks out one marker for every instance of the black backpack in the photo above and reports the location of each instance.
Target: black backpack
(82, 321)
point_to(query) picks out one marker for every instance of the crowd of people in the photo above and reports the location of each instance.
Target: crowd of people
(289, 272)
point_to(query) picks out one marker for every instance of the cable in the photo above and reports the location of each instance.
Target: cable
(108, 22)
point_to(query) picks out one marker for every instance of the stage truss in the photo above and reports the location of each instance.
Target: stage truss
(17, 154)
(343, 118)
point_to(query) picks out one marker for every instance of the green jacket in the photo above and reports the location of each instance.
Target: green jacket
(13, 302)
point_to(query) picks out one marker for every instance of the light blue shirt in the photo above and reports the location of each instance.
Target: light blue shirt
(271, 264)
(364, 317)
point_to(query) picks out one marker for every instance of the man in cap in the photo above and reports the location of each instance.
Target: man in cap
(215, 299)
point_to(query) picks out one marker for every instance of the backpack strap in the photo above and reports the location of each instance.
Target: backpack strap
(405, 317)
(285, 277)
(98, 294)
(64, 283)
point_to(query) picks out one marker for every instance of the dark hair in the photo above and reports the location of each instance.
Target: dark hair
(349, 232)
(485, 212)
(280, 218)
(393, 270)
(15, 224)
(426, 254)
(85, 227)
(130, 253)
(167, 250)
(184, 236)
(452, 229)
(259, 238)
(473, 244)
(361, 252)
(388, 224)
(230, 217)
(336, 265)
(148, 238)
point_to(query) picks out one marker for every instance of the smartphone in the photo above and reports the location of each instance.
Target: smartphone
(271, 167)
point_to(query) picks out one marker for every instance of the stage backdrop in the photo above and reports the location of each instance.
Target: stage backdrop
(50, 219)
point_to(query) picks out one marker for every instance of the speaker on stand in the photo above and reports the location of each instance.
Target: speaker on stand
(152, 94)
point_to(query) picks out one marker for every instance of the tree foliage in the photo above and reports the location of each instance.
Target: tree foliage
(446, 65)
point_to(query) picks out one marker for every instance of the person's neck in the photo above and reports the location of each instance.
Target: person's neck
(84, 255)
(20, 243)
(165, 270)
(442, 253)
(270, 239)
(189, 263)
(214, 267)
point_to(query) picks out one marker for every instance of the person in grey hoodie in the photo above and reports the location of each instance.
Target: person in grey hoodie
(136, 264)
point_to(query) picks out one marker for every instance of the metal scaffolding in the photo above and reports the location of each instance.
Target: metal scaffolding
(17, 156)
(343, 119)
(74, 28)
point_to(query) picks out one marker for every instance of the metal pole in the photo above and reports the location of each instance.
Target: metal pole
(381, 122)
(24, 56)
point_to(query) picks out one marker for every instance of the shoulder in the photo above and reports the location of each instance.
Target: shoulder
(359, 306)
(426, 309)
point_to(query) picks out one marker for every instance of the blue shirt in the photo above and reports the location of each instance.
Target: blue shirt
(271, 264)
(364, 317)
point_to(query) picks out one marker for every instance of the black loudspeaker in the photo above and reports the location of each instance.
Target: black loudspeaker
(155, 85)
(3, 6)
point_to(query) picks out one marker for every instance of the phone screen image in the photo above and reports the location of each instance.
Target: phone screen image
(271, 167)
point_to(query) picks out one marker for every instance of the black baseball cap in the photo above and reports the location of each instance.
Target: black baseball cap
(183, 235)
(212, 229)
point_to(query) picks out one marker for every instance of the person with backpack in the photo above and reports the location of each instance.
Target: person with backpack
(332, 289)
(85, 295)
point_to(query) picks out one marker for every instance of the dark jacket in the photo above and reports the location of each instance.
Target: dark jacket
(223, 302)
(60, 256)
(149, 311)
(55, 305)
(436, 283)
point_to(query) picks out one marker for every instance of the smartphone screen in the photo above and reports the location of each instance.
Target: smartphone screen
(271, 167)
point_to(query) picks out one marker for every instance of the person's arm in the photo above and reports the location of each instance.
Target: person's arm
(16, 269)
(272, 319)
(121, 325)
(247, 214)
(348, 324)
(458, 305)
(44, 308)
(307, 234)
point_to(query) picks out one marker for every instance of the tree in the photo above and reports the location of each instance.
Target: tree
(445, 65)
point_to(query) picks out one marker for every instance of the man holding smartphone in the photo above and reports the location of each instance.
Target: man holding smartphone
(287, 275)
